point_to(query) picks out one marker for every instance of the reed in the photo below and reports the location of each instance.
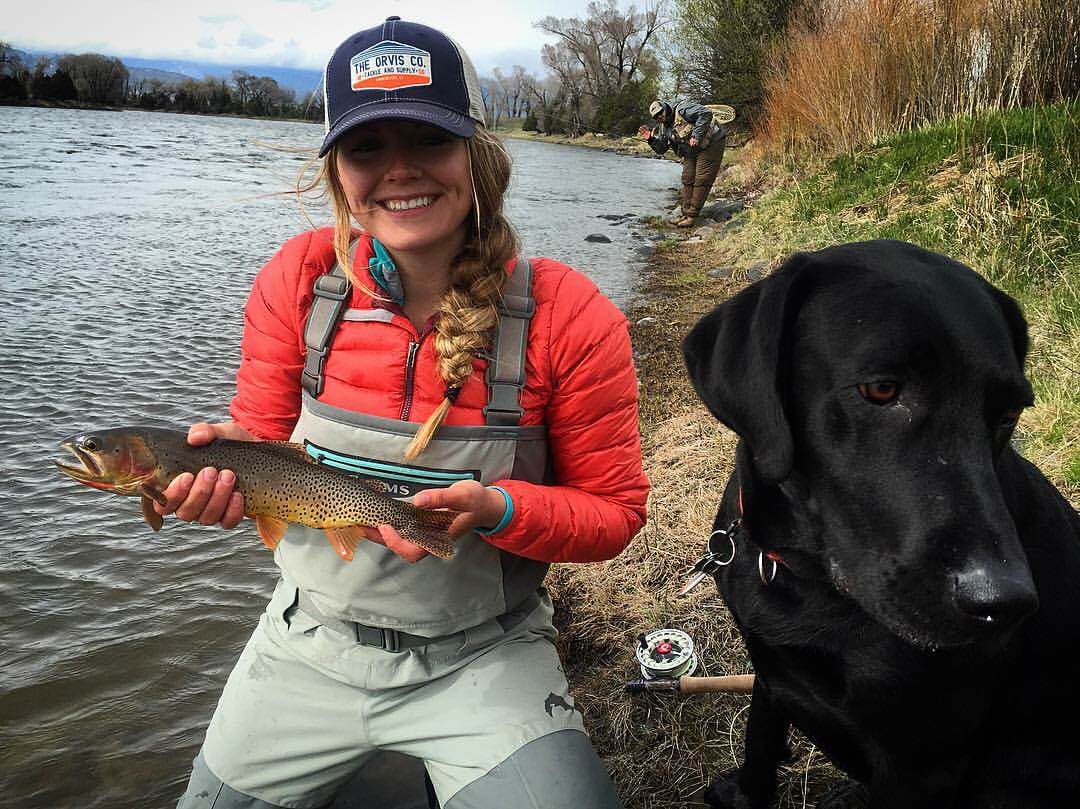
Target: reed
(853, 71)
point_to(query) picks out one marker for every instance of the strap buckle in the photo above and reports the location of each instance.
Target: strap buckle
(379, 637)
(504, 405)
(312, 378)
(391, 640)
(334, 287)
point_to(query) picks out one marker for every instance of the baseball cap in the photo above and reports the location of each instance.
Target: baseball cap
(655, 108)
(400, 70)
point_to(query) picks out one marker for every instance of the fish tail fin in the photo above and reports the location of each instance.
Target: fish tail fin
(436, 518)
(432, 538)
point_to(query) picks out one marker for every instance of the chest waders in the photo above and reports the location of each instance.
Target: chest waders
(435, 596)
(451, 662)
(700, 164)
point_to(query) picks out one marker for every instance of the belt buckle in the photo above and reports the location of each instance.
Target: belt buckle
(391, 640)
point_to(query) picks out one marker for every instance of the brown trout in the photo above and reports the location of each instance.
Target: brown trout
(280, 483)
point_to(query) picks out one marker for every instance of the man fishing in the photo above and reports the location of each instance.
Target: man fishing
(689, 129)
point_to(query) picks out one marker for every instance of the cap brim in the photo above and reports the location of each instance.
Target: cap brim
(453, 122)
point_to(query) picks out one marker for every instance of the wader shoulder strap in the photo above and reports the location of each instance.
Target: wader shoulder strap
(331, 297)
(506, 367)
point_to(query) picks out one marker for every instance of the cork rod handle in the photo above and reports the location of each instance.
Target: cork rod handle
(730, 684)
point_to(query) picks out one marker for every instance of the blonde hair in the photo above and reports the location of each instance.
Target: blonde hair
(467, 313)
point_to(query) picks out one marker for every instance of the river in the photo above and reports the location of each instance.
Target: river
(128, 242)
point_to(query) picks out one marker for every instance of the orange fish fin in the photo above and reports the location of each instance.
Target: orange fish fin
(153, 519)
(345, 539)
(271, 530)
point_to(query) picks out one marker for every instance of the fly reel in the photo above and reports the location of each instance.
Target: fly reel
(666, 653)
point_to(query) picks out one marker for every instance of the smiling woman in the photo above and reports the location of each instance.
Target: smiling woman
(411, 345)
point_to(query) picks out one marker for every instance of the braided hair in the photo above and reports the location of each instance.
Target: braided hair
(467, 313)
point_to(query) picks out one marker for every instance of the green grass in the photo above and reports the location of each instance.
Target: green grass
(999, 191)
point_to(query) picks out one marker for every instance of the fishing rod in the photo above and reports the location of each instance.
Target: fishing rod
(667, 662)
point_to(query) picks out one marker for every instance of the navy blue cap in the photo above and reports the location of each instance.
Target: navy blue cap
(400, 70)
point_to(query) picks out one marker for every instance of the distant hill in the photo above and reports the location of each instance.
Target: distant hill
(177, 71)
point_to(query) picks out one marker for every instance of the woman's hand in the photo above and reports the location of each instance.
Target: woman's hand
(480, 507)
(644, 131)
(693, 141)
(210, 496)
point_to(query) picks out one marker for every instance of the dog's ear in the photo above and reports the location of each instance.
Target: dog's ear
(1018, 327)
(735, 359)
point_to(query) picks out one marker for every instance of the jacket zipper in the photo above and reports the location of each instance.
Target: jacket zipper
(410, 373)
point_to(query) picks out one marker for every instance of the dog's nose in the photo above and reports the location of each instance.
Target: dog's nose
(996, 597)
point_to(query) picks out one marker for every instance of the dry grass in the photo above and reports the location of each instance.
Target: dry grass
(852, 71)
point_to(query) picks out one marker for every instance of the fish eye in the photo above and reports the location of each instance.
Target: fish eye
(91, 444)
(880, 393)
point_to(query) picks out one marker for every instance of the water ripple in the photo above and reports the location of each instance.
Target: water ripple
(122, 285)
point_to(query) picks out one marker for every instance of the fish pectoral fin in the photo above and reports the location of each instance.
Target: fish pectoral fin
(154, 494)
(153, 519)
(346, 539)
(271, 530)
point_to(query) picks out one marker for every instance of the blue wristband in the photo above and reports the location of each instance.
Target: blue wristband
(506, 517)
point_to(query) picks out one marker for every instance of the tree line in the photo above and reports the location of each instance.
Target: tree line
(97, 80)
(787, 66)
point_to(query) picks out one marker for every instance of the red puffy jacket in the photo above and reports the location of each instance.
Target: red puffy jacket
(579, 382)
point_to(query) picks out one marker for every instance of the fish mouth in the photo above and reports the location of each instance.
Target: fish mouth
(86, 471)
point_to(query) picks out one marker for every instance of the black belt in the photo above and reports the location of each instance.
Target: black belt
(393, 640)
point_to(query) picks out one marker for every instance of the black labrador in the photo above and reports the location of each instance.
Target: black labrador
(908, 586)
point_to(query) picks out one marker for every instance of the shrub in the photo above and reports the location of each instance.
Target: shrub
(624, 112)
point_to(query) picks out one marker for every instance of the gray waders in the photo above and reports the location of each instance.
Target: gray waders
(451, 662)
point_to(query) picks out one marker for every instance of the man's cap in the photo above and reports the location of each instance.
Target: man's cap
(654, 108)
(400, 70)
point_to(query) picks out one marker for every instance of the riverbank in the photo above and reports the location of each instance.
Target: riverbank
(84, 105)
(631, 146)
(996, 192)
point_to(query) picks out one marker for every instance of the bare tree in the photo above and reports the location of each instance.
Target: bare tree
(600, 54)
(242, 81)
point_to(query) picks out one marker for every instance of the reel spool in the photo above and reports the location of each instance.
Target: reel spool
(666, 653)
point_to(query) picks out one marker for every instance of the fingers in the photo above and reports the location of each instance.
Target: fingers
(204, 432)
(402, 547)
(465, 495)
(201, 433)
(175, 493)
(219, 497)
(234, 511)
(206, 498)
(479, 505)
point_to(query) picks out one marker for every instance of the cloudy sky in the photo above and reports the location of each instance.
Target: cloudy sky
(287, 33)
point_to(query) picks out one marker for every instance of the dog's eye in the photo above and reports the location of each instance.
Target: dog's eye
(1010, 417)
(880, 393)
